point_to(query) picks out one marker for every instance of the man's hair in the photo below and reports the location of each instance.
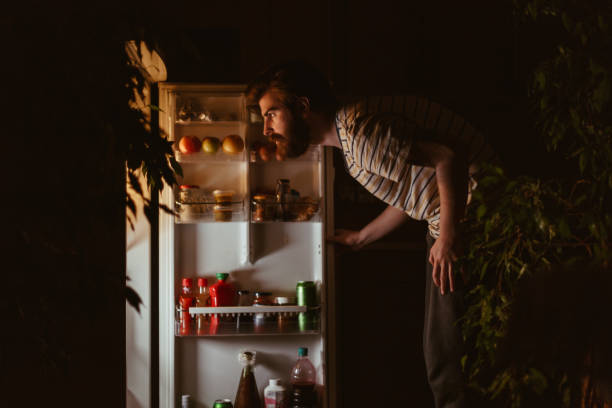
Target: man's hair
(294, 79)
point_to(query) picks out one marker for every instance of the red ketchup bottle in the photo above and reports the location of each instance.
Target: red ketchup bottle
(222, 293)
(186, 299)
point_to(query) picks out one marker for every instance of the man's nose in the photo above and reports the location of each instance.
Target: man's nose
(267, 130)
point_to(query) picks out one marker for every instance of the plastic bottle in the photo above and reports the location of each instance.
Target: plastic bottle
(202, 299)
(303, 381)
(186, 299)
(275, 395)
(185, 401)
(247, 395)
(222, 293)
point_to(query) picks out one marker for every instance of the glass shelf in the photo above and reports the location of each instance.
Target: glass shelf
(193, 213)
(307, 210)
(255, 321)
(201, 157)
(209, 123)
(313, 154)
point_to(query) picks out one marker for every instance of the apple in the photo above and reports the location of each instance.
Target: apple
(281, 151)
(232, 144)
(210, 145)
(189, 144)
(266, 151)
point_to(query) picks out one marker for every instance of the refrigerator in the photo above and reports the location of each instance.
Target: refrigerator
(267, 246)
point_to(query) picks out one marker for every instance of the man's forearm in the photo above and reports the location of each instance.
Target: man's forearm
(451, 176)
(387, 221)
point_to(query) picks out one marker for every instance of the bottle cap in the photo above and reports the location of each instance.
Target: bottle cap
(275, 381)
(303, 352)
(259, 294)
(243, 292)
(185, 398)
(202, 282)
(187, 282)
(222, 275)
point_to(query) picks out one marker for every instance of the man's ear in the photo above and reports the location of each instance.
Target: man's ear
(303, 104)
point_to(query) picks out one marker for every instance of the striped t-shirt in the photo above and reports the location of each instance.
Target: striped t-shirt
(376, 134)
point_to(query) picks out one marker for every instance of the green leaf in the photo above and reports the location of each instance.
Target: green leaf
(482, 209)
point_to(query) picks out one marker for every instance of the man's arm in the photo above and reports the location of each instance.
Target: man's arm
(452, 178)
(385, 222)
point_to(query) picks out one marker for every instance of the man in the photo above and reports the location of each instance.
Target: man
(418, 157)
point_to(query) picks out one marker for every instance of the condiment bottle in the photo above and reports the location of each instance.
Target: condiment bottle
(283, 192)
(303, 380)
(202, 299)
(275, 395)
(222, 293)
(247, 395)
(186, 299)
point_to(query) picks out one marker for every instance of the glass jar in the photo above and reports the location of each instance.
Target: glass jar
(190, 193)
(263, 208)
(223, 197)
(262, 299)
(223, 212)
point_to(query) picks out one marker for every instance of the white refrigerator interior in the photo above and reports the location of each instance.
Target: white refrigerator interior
(270, 254)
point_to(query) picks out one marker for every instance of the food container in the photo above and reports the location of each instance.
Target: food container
(262, 299)
(263, 207)
(223, 197)
(222, 212)
(190, 193)
(303, 209)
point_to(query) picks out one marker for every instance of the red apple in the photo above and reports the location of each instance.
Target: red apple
(266, 151)
(189, 144)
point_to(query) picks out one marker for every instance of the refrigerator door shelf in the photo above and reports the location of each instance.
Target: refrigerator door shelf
(247, 309)
(194, 213)
(313, 154)
(237, 328)
(201, 157)
(208, 123)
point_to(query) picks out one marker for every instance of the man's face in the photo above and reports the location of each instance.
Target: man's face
(283, 126)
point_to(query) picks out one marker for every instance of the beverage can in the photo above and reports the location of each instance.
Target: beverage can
(223, 403)
(306, 293)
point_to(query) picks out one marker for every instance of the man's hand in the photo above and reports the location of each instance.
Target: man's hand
(442, 256)
(348, 238)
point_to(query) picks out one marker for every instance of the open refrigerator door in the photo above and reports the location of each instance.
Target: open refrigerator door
(253, 226)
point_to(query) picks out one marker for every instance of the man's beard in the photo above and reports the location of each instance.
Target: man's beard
(298, 136)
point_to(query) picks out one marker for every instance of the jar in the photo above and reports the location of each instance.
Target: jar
(190, 193)
(223, 197)
(283, 192)
(223, 212)
(263, 208)
(262, 299)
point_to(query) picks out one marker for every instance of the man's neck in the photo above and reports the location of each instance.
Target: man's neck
(323, 131)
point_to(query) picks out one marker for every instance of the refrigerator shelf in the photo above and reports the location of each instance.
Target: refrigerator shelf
(208, 123)
(200, 212)
(313, 154)
(236, 328)
(237, 310)
(209, 218)
(201, 157)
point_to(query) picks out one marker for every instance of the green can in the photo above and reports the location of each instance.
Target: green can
(306, 293)
(223, 403)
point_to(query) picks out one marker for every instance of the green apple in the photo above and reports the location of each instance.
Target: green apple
(210, 145)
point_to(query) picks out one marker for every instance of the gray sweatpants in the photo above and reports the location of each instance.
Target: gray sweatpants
(442, 340)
